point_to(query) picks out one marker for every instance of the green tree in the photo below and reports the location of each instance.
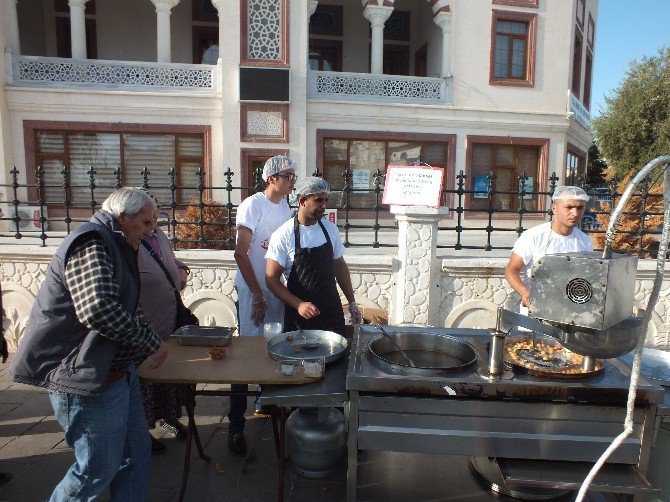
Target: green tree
(595, 167)
(634, 128)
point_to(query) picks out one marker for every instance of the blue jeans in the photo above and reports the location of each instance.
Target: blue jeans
(111, 443)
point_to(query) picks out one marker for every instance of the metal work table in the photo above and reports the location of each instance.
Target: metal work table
(523, 417)
(331, 390)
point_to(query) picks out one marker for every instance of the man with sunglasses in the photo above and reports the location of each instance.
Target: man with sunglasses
(257, 218)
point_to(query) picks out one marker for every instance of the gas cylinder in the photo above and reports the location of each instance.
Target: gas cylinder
(316, 440)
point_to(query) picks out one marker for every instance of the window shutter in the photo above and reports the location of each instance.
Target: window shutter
(99, 151)
(156, 152)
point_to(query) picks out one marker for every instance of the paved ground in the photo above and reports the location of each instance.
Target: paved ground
(33, 450)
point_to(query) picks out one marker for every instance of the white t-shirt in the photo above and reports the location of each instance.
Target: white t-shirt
(262, 216)
(535, 242)
(282, 242)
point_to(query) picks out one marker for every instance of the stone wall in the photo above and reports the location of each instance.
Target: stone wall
(469, 289)
(210, 292)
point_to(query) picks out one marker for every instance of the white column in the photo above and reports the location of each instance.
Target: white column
(377, 16)
(163, 43)
(417, 295)
(443, 20)
(13, 25)
(78, 28)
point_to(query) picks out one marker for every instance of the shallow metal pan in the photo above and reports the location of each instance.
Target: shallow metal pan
(561, 374)
(204, 336)
(316, 343)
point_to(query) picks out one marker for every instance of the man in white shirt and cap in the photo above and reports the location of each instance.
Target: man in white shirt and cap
(308, 252)
(257, 218)
(560, 235)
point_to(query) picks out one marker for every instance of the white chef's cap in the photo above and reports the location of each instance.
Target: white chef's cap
(311, 185)
(275, 165)
(570, 193)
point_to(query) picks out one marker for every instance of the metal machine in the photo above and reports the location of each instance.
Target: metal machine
(583, 300)
(550, 419)
(523, 419)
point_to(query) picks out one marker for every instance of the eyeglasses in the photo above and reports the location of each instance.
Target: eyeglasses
(288, 176)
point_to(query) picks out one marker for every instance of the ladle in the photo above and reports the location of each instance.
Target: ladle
(311, 343)
(411, 363)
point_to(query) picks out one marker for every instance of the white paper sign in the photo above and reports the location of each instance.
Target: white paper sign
(413, 186)
(361, 179)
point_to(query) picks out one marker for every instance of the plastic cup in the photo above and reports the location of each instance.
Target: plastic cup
(272, 329)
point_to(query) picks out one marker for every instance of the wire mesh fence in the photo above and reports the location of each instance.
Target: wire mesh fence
(479, 215)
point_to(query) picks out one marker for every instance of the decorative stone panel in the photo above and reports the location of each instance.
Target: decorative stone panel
(264, 123)
(37, 69)
(264, 32)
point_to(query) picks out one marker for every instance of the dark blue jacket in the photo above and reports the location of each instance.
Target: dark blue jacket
(57, 351)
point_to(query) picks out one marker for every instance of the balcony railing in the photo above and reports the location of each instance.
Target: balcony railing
(66, 72)
(382, 88)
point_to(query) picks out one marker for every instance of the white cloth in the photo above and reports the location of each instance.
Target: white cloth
(282, 242)
(262, 217)
(534, 243)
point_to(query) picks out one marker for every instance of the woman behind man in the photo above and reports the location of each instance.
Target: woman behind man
(157, 298)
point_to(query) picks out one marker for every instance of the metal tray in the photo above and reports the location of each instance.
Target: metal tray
(655, 365)
(316, 343)
(205, 336)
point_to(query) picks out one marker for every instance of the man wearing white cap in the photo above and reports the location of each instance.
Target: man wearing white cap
(257, 218)
(309, 253)
(560, 235)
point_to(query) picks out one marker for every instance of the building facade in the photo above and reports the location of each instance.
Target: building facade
(338, 85)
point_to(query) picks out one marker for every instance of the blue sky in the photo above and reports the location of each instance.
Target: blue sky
(626, 30)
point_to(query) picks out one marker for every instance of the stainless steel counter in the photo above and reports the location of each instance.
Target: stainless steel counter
(331, 390)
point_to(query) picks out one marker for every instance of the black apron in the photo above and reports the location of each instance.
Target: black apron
(312, 279)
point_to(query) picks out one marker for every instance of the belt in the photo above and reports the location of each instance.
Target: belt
(115, 375)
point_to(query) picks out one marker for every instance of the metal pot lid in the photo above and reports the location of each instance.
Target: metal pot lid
(431, 353)
(314, 344)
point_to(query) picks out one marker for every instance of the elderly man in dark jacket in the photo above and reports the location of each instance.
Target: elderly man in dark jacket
(85, 334)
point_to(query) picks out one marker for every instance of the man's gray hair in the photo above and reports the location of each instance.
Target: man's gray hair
(129, 200)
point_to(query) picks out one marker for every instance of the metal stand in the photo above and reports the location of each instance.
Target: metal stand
(589, 363)
(496, 366)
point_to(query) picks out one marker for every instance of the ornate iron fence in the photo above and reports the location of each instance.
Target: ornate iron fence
(479, 217)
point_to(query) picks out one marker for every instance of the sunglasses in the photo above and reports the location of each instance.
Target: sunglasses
(288, 176)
